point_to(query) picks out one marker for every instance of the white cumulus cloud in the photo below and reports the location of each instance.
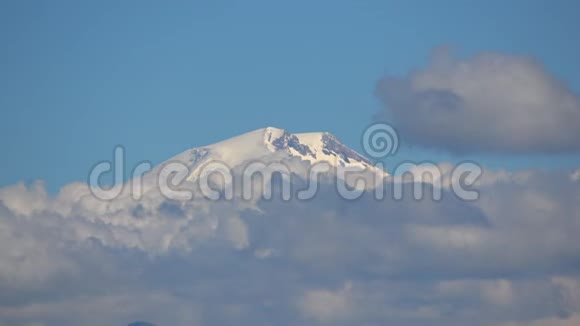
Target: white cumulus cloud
(489, 102)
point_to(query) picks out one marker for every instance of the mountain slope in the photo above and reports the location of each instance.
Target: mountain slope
(272, 144)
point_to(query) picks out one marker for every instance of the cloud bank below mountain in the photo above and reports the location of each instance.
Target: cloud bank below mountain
(509, 258)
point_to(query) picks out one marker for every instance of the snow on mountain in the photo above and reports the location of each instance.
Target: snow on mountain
(273, 144)
(273, 148)
(328, 148)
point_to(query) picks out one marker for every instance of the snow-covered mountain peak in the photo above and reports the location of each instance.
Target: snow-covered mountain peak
(275, 144)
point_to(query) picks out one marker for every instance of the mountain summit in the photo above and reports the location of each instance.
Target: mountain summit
(270, 151)
(274, 144)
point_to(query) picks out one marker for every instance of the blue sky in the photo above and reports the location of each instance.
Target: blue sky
(78, 78)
